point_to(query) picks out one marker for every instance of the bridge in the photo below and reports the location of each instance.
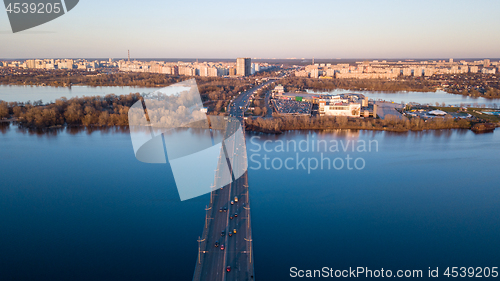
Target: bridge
(225, 247)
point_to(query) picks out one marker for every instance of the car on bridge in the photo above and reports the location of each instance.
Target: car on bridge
(228, 269)
(236, 199)
(223, 233)
(216, 244)
(222, 247)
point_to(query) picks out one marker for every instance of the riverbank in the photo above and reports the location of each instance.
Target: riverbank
(280, 127)
(8, 120)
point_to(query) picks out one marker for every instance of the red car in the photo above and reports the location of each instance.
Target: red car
(228, 269)
(222, 247)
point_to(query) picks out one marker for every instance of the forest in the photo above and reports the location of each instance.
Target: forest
(278, 124)
(302, 84)
(66, 78)
(110, 110)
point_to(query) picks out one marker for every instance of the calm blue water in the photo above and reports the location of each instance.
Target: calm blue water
(77, 205)
(424, 200)
(50, 94)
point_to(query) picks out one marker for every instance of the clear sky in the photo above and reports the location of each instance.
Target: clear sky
(264, 29)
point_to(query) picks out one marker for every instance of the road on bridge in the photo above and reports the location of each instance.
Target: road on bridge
(227, 237)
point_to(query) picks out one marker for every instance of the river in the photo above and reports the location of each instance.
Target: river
(75, 204)
(50, 94)
(12, 93)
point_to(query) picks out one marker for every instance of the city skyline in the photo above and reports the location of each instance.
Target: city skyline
(271, 29)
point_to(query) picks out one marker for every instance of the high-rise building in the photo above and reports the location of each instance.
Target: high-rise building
(315, 73)
(30, 63)
(243, 66)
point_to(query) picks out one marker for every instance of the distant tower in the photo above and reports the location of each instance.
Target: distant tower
(129, 55)
(243, 66)
(313, 60)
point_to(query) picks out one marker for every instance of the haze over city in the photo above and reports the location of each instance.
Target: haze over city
(263, 29)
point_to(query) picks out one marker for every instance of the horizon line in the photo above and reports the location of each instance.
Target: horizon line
(216, 58)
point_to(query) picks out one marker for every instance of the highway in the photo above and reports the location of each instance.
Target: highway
(240, 103)
(267, 101)
(222, 216)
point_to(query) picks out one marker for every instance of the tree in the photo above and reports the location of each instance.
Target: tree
(4, 110)
(18, 111)
(104, 118)
(218, 106)
(74, 113)
(257, 111)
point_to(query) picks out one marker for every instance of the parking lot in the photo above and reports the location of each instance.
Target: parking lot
(291, 107)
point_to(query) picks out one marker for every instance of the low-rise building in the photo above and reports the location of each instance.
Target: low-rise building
(339, 107)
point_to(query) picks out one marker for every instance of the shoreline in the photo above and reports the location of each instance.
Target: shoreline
(252, 130)
(356, 129)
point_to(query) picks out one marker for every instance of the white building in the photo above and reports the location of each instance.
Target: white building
(339, 107)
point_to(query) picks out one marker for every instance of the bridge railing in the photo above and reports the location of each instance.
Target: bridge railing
(206, 229)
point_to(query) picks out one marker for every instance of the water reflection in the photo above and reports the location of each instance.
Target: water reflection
(103, 130)
(55, 131)
(356, 134)
(4, 127)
